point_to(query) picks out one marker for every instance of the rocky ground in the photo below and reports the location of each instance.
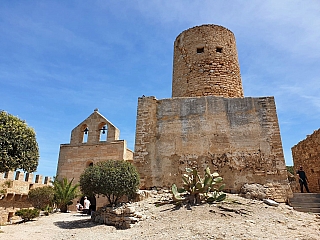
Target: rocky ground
(236, 218)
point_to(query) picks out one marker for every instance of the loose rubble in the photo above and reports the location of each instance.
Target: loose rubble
(121, 217)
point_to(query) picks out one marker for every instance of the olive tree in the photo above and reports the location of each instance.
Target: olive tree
(18, 145)
(112, 179)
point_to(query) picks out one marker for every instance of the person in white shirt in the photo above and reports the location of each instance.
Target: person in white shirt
(86, 205)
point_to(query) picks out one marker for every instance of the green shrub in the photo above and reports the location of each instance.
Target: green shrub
(27, 214)
(41, 197)
(290, 169)
(19, 148)
(112, 179)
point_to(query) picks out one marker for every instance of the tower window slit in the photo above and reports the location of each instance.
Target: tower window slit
(200, 50)
(219, 49)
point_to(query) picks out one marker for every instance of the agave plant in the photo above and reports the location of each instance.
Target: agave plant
(196, 189)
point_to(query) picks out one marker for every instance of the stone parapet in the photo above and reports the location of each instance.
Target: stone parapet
(14, 188)
(20, 182)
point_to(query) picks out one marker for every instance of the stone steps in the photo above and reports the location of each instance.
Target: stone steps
(306, 202)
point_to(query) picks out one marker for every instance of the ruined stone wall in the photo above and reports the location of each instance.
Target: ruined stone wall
(206, 63)
(16, 186)
(238, 137)
(307, 154)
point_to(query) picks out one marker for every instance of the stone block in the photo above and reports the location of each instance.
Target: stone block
(129, 210)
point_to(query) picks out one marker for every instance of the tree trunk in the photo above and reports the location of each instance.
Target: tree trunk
(64, 208)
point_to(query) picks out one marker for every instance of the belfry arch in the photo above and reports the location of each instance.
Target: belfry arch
(84, 136)
(103, 128)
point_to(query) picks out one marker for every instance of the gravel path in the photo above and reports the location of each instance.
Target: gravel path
(237, 218)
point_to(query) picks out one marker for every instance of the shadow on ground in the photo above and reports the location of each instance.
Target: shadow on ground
(75, 224)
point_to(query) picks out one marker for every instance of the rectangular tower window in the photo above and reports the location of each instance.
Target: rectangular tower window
(219, 49)
(200, 50)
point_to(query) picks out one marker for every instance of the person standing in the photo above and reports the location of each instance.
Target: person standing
(86, 205)
(303, 180)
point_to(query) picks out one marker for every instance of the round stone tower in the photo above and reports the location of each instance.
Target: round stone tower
(206, 63)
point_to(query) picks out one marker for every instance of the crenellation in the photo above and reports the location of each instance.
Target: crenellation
(19, 176)
(38, 179)
(29, 177)
(20, 181)
(9, 175)
(16, 186)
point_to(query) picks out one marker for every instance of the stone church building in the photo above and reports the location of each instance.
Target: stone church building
(94, 140)
(207, 122)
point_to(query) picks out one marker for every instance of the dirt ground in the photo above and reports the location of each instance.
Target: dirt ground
(236, 218)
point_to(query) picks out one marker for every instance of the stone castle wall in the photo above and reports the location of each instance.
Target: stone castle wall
(16, 187)
(238, 137)
(307, 154)
(206, 63)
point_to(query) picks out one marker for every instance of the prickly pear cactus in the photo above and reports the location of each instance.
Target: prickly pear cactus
(196, 189)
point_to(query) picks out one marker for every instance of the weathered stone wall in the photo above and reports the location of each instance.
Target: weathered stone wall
(307, 154)
(74, 159)
(238, 137)
(206, 63)
(16, 187)
(89, 148)
(94, 130)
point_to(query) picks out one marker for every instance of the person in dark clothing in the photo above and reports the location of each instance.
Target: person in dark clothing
(303, 180)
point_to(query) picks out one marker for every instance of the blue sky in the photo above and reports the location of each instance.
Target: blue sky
(59, 60)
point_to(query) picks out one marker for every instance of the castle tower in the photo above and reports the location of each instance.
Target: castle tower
(209, 123)
(206, 63)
